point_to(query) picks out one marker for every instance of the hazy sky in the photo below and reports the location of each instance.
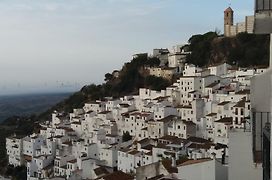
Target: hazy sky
(55, 45)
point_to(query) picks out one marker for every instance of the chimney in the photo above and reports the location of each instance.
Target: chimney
(213, 155)
(174, 163)
(270, 61)
(156, 142)
(194, 156)
(224, 156)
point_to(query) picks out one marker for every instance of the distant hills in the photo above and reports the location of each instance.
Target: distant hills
(24, 105)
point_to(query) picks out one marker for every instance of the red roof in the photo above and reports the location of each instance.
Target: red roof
(189, 162)
(118, 175)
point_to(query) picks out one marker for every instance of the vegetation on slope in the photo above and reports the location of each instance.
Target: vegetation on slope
(244, 50)
(131, 77)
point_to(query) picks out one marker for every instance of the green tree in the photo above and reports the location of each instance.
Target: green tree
(108, 77)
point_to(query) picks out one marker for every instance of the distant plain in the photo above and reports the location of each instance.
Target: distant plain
(22, 105)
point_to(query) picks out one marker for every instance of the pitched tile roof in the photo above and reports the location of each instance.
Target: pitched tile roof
(118, 175)
(189, 162)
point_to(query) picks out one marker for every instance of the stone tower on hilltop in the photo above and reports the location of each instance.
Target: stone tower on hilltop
(228, 21)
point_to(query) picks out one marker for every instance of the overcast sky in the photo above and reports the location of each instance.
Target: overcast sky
(59, 45)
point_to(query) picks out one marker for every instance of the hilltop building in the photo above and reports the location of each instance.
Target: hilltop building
(231, 29)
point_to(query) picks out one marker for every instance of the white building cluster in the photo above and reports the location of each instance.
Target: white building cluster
(172, 61)
(175, 132)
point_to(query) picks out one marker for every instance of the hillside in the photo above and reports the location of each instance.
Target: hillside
(245, 50)
(130, 78)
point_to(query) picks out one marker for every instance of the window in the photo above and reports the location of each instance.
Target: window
(236, 111)
(178, 126)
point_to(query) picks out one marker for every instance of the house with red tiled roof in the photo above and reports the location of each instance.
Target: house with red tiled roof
(182, 128)
(159, 169)
(241, 113)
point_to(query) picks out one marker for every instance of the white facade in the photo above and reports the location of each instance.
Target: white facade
(203, 169)
(241, 165)
(14, 151)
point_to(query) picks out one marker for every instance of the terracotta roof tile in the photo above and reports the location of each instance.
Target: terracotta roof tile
(118, 175)
(189, 162)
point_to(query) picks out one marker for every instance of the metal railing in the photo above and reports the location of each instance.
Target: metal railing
(260, 121)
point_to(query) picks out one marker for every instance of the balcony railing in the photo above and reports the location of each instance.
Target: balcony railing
(260, 123)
